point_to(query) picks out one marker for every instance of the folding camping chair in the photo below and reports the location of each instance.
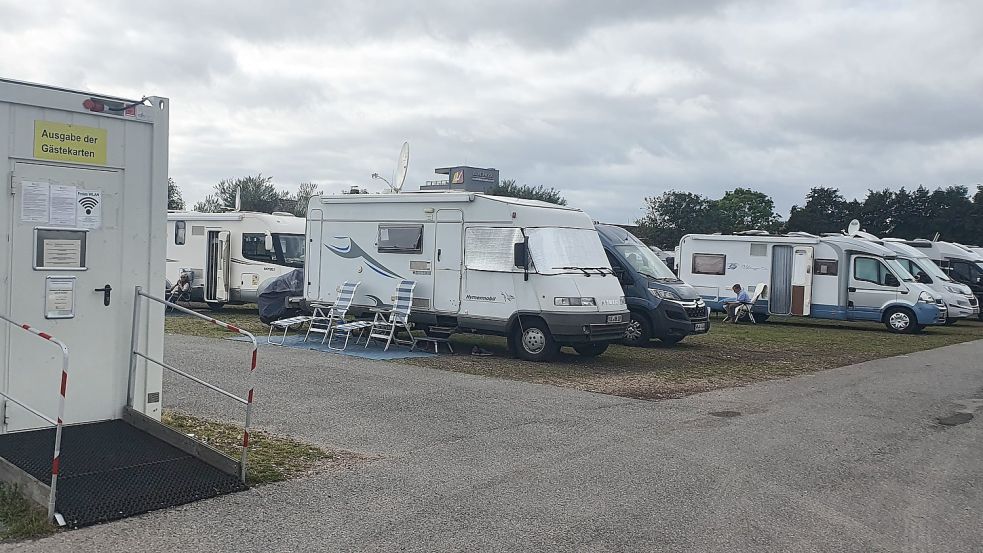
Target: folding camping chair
(745, 309)
(285, 324)
(399, 318)
(326, 316)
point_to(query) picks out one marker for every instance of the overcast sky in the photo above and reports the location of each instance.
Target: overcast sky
(609, 101)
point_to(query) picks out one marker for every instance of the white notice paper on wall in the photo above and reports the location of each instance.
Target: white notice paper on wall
(62, 253)
(34, 201)
(59, 297)
(89, 209)
(62, 210)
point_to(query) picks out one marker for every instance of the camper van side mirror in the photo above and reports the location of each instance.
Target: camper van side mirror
(519, 255)
(269, 242)
(891, 280)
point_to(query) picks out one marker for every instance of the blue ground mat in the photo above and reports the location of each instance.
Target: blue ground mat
(374, 351)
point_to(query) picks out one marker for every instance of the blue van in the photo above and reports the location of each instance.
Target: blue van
(661, 305)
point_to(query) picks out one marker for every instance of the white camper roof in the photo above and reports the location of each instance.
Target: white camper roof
(433, 197)
(801, 239)
(939, 249)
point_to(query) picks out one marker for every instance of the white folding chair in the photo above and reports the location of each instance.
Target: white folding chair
(285, 324)
(399, 318)
(325, 317)
(745, 309)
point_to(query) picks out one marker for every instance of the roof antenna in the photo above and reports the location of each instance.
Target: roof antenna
(937, 236)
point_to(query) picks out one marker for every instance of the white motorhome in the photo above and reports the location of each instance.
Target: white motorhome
(231, 255)
(830, 277)
(959, 299)
(532, 271)
(961, 264)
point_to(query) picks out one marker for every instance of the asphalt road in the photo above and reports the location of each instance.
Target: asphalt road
(852, 459)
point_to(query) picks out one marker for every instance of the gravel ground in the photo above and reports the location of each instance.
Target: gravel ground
(850, 459)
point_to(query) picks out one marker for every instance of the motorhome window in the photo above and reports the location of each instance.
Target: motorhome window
(926, 266)
(872, 270)
(197, 230)
(965, 271)
(400, 238)
(900, 270)
(644, 260)
(290, 249)
(559, 250)
(180, 228)
(491, 249)
(826, 267)
(759, 250)
(254, 248)
(709, 264)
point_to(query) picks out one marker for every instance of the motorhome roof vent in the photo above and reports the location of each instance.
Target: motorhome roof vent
(807, 235)
(283, 214)
(752, 233)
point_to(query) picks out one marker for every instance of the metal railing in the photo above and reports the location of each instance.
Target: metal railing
(134, 354)
(57, 422)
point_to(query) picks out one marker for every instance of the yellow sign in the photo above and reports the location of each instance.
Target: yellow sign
(74, 143)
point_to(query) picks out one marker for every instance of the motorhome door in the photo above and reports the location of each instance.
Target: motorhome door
(872, 285)
(780, 290)
(65, 276)
(802, 280)
(447, 261)
(217, 266)
(312, 257)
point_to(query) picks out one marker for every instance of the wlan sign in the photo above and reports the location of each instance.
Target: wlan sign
(74, 143)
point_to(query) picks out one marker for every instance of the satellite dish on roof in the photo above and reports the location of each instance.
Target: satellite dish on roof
(854, 227)
(401, 165)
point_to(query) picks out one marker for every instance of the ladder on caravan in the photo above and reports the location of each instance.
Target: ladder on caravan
(94, 472)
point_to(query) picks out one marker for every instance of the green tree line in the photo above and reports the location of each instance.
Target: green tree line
(918, 213)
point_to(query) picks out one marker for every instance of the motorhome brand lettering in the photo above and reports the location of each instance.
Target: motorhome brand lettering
(471, 297)
(74, 143)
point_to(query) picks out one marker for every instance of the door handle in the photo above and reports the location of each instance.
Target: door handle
(107, 292)
(438, 254)
(851, 289)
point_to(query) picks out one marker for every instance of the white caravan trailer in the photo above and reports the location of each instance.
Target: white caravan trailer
(532, 271)
(830, 277)
(231, 255)
(959, 299)
(962, 265)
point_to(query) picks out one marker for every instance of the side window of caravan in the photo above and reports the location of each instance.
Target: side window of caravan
(870, 270)
(825, 267)
(400, 238)
(254, 247)
(490, 249)
(180, 228)
(709, 264)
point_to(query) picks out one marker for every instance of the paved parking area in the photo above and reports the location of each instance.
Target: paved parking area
(851, 459)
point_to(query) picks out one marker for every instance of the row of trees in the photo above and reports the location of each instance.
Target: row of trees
(260, 194)
(919, 213)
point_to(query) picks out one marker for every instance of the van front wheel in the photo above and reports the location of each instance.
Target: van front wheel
(532, 341)
(901, 321)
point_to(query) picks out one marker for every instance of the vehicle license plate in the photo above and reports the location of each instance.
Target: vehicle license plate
(614, 318)
(700, 327)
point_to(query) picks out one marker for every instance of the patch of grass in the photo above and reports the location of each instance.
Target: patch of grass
(271, 458)
(19, 518)
(244, 316)
(730, 355)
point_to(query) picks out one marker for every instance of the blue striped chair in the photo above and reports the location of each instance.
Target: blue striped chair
(325, 318)
(385, 328)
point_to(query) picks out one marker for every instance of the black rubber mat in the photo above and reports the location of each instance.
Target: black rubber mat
(111, 470)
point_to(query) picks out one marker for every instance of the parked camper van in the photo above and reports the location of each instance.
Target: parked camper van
(532, 271)
(959, 299)
(962, 265)
(661, 305)
(830, 277)
(231, 255)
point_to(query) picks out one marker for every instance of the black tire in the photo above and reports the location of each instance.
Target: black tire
(639, 330)
(671, 340)
(532, 341)
(215, 305)
(591, 349)
(901, 320)
(761, 318)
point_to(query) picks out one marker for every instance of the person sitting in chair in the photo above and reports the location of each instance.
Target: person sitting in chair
(731, 304)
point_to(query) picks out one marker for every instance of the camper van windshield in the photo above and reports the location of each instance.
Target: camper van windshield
(645, 262)
(565, 250)
(289, 249)
(899, 270)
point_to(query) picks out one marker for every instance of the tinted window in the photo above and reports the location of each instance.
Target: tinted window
(180, 228)
(254, 248)
(709, 264)
(401, 238)
(870, 270)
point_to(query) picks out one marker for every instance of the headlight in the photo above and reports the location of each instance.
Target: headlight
(953, 290)
(699, 302)
(664, 294)
(574, 301)
(925, 297)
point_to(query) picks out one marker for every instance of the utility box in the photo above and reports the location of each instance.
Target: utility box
(83, 210)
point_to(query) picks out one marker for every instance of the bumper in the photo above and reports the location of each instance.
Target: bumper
(679, 319)
(578, 328)
(962, 312)
(930, 313)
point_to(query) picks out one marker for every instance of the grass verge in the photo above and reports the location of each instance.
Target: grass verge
(19, 518)
(271, 458)
(243, 316)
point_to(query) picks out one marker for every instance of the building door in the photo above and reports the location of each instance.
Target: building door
(61, 265)
(447, 260)
(217, 266)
